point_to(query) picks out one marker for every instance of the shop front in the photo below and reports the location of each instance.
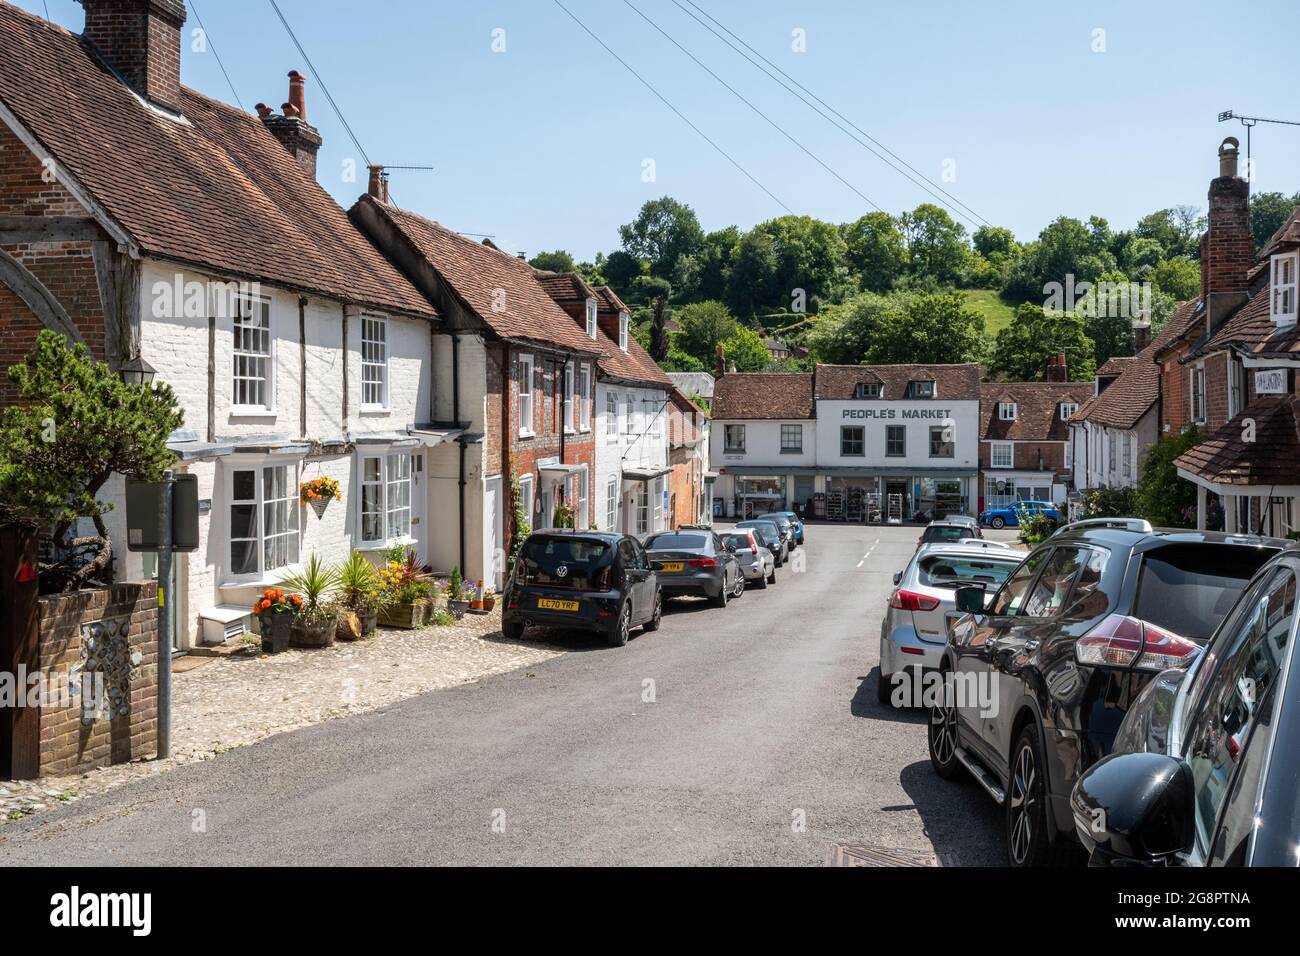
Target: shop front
(1002, 489)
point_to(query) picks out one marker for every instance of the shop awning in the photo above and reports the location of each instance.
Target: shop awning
(431, 435)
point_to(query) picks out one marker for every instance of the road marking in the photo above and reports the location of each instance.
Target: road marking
(868, 554)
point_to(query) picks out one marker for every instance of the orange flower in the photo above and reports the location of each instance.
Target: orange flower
(276, 594)
(295, 598)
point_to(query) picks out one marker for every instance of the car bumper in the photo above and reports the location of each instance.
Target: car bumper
(704, 584)
(754, 571)
(900, 649)
(597, 611)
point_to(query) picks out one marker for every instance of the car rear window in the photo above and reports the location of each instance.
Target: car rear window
(945, 533)
(736, 540)
(675, 540)
(563, 562)
(1190, 589)
(950, 571)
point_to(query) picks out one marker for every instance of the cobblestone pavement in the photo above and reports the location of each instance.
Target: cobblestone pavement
(229, 702)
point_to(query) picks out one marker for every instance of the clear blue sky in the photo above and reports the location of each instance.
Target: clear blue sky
(542, 145)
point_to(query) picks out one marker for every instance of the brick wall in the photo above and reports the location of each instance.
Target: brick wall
(141, 39)
(1227, 247)
(69, 742)
(1025, 457)
(66, 268)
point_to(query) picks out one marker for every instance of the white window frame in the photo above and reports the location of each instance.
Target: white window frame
(611, 505)
(526, 498)
(658, 506)
(1196, 382)
(1007, 411)
(524, 404)
(624, 321)
(655, 413)
(727, 447)
(629, 412)
(583, 517)
(1126, 457)
(1236, 387)
(1068, 409)
(643, 508)
(915, 385)
(1284, 269)
(391, 464)
(591, 318)
(258, 466)
(584, 398)
(792, 449)
(374, 362)
(267, 379)
(569, 409)
(611, 418)
(864, 391)
(1000, 449)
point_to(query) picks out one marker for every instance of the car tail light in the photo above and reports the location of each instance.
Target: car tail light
(702, 563)
(911, 601)
(521, 572)
(600, 581)
(1122, 641)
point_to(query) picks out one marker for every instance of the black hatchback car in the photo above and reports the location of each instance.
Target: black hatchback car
(1040, 674)
(584, 580)
(1206, 766)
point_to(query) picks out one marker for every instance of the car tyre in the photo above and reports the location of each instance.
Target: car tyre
(739, 589)
(941, 736)
(513, 632)
(657, 618)
(771, 578)
(1028, 843)
(761, 580)
(999, 522)
(884, 689)
(618, 637)
(720, 600)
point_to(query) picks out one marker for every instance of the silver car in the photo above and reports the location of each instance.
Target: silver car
(915, 627)
(756, 559)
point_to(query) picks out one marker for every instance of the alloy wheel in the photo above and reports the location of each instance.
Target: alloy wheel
(1024, 803)
(943, 731)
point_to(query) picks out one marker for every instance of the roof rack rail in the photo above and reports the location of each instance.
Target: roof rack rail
(1140, 525)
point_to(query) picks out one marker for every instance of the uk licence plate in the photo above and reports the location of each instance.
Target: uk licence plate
(674, 565)
(556, 604)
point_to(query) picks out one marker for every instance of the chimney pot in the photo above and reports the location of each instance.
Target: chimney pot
(1228, 247)
(298, 93)
(1228, 152)
(263, 110)
(289, 110)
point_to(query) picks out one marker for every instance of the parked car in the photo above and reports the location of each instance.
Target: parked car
(696, 562)
(795, 520)
(950, 531)
(756, 560)
(914, 630)
(968, 521)
(585, 580)
(1009, 516)
(786, 526)
(986, 543)
(1058, 653)
(772, 535)
(1204, 767)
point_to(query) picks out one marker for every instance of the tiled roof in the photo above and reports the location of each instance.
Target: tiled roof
(1286, 234)
(218, 190)
(1115, 365)
(1252, 331)
(1273, 458)
(565, 287)
(500, 289)
(607, 298)
(753, 395)
(1038, 409)
(836, 382)
(1131, 396)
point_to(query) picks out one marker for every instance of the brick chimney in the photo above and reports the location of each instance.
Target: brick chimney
(291, 128)
(1227, 246)
(378, 188)
(141, 40)
(1141, 337)
(1056, 371)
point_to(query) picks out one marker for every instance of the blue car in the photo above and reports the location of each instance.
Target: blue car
(794, 521)
(1007, 517)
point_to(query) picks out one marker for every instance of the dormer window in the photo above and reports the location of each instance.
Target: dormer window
(867, 390)
(623, 320)
(1067, 410)
(591, 318)
(1285, 268)
(1007, 411)
(920, 389)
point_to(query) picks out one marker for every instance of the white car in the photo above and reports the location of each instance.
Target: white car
(915, 626)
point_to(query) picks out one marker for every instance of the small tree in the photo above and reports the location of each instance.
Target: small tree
(1109, 503)
(78, 425)
(1162, 497)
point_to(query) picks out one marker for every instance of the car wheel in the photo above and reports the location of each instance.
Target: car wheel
(771, 578)
(739, 589)
(942, 737)
(884, 689)
(513, 632)
(1028, 843)
(776, 561)
(618, 637)
(761, 580)
(723, 593)
(653, 623)
(998, 522)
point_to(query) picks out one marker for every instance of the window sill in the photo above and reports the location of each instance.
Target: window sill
(792, 451)
(375, 546)
(252, 411)
(526, 433)
(262, 580)
(373, 410)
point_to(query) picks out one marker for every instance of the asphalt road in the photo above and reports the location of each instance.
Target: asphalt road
(763, 744)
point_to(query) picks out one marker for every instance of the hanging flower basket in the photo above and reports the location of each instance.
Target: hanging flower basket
(319, 492)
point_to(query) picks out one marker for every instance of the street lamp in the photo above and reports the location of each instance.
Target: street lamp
(136, 371)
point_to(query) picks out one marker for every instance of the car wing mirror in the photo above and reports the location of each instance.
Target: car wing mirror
(898, 577)
(971, 599)
(1135, 808)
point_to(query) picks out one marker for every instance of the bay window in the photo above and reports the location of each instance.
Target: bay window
(264, 517)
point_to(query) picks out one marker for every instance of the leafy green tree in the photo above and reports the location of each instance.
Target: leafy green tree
(991, 240)
(936, 244)
(646, 289)
(704, 275)
(557, 261)
(745, 350)
(1141, 257)
(876, 250)
(751, 281)
(77, 425)
(1175, 229)
(1021, 350)
(1066, 247)
(703, 327)
(810, 256)
(679, 361)
(931, 328)
(1267, 213)
(663, 231)
(621, 269)
(842, 333)
(659, 345)
(1179, 277)
(593, 273)
(1163, 497)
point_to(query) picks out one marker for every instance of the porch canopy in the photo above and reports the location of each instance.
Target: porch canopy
(560, 468)
(1257, 453)
(640, 475)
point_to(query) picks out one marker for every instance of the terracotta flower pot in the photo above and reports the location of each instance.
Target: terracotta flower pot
(275, 630)
(313, 634)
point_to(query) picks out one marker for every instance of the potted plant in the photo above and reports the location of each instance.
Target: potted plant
(404, 591)
(275, 611)
(319, 492)
(457, 594)
(359, 591)
(314, 626)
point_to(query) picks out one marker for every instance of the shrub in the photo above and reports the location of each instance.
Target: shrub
(1109, 503)
(1162, 497)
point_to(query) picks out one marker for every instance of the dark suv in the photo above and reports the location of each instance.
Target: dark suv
(585, 580)
(1038, 675)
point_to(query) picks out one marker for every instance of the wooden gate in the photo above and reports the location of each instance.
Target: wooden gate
(20, 726)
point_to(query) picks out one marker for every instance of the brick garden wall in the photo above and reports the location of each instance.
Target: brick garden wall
(129, 731)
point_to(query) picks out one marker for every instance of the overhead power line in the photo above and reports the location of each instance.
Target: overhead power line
(208, 39)
(698, 62)
(970, 215)
(646, 83)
